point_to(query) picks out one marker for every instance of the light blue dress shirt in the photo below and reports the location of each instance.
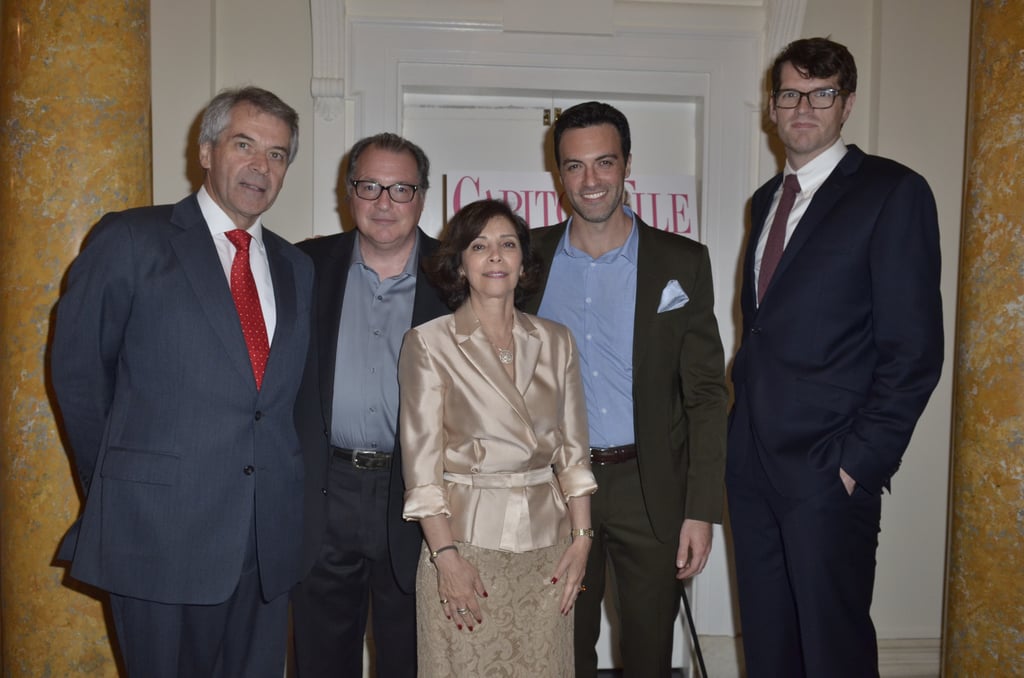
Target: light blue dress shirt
(596, 299)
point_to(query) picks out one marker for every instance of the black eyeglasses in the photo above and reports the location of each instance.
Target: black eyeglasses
(371, 190)
(819, 98)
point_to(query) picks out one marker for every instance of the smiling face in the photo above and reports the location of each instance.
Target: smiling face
(385, 225)
(493, 261)
(593, 171)
(806, 131)
(245, 168)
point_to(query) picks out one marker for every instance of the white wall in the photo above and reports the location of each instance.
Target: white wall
(202, 46)
(912, 56)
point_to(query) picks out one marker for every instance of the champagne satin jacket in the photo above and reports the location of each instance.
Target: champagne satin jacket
(500, 459)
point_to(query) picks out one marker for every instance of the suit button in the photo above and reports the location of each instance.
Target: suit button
(755, 330)
(323, 491)
(259, 415)
(249, 470)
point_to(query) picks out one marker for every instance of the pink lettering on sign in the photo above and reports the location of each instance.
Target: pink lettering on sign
(663, 202)
(538, 207)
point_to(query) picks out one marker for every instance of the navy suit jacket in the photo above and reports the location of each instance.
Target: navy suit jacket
(178, 453)
(332, 256)
(838, 362)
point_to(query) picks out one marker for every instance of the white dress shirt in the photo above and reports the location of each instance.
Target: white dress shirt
(811, 176)
(219, 223)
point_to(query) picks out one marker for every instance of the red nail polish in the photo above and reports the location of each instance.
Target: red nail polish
(459, 626)
(554, 580)
(470, 628)
(485, 594)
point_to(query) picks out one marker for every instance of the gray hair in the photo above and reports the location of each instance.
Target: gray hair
(217, 116)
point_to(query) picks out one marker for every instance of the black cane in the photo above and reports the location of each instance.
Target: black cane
(693, 633)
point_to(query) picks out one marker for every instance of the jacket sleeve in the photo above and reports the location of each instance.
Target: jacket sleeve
(705, 398)
(422, 430)
(90, 323)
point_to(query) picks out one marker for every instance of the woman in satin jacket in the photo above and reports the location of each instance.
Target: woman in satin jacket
(496, 462)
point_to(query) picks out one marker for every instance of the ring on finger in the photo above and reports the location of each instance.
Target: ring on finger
(444, 601)
(462, 610)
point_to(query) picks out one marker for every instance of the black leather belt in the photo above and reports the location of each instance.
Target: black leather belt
(367, 460)
(612, 455)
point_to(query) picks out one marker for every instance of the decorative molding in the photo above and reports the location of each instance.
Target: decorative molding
(784, 21)
(328, 97)
(328, 83)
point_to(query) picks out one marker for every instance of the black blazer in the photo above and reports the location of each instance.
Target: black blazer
(332, 256)
(837, 364)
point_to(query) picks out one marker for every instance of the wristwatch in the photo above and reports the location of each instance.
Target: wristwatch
(582, 532)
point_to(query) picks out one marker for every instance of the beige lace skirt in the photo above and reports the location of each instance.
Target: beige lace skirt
(522, 634)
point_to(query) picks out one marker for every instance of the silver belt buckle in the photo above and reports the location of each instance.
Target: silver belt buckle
(368, 460)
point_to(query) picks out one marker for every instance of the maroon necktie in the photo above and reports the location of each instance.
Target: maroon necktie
(247, 301)
(777, 235)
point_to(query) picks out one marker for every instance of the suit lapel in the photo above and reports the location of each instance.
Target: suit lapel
(198, 258)
(478, 351)
(330, 291)
(649, 283)
(825, 198)
(427, 304)
(545, 242)
(282, 275)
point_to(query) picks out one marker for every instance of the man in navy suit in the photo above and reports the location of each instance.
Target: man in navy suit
(176, 366)
(841, 348)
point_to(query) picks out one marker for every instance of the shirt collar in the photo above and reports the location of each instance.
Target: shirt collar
(411, 264)
(813, 174)
(219, 222)
(627, 250)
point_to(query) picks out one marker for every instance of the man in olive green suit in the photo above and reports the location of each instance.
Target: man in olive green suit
(640, 304)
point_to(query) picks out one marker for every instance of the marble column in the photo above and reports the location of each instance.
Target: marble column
(984, 625)
(75, 143)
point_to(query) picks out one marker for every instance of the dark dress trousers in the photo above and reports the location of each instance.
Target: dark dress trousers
(834, 369)
(191, 475)
(331, 603)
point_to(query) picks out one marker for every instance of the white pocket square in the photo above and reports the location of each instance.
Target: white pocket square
(672, 297)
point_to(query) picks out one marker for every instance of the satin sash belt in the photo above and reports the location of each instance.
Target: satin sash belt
(497, 481)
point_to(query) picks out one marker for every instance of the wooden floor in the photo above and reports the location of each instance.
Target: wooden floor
(616, 673)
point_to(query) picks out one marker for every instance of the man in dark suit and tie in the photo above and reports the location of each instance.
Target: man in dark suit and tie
(369, 290)
(640, 304)
(176, 359)
(841, 348)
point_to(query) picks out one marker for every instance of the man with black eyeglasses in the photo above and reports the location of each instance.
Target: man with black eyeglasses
(841, 348)
(369, 289)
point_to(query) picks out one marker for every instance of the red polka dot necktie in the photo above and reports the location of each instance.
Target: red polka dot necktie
(777, 235)
(247, 301)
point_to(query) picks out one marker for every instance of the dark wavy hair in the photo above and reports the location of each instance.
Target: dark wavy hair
(591, 114)
(443, 267)
(817, 58)
(392, 143)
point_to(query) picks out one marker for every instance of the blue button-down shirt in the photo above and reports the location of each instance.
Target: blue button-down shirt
(375, 315)
(596, 299)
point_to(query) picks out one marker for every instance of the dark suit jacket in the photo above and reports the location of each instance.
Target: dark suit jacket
(176, 450)
(331, 258)
(837, 364)
(679, 394)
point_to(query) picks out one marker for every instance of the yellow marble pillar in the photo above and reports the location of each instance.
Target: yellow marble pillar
(75, 143)
(984, 625)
